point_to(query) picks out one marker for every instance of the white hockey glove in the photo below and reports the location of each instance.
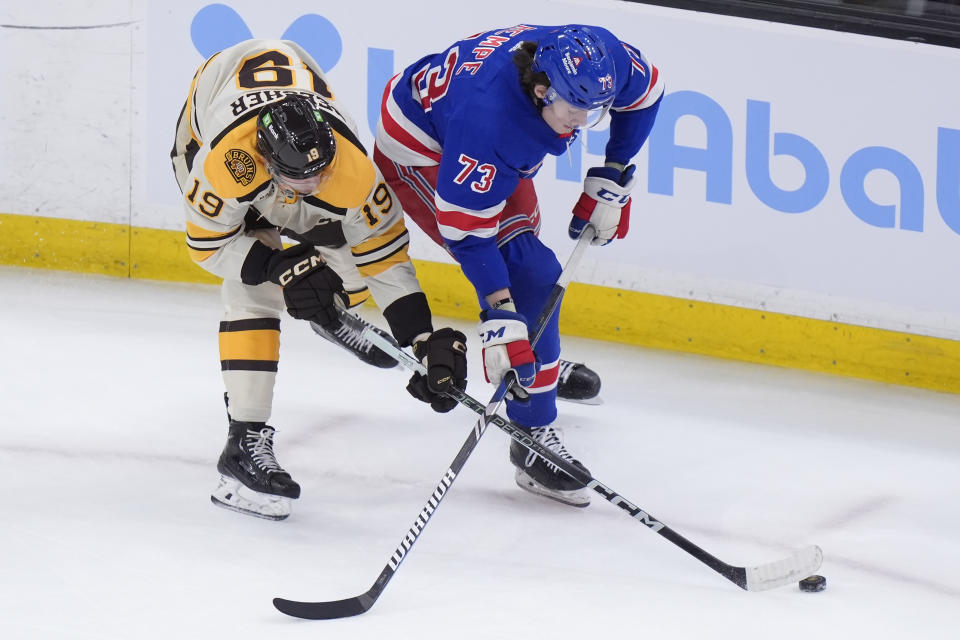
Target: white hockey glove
(506, 348)
(604, 203)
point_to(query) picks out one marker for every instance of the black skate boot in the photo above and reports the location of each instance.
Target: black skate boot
(349, 335)
(578, 383)
(251, 479)
(538, 476)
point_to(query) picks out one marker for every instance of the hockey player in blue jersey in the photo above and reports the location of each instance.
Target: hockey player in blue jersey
(461, 135)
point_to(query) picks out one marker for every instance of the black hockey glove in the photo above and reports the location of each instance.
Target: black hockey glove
(310, 287)
(444, 354)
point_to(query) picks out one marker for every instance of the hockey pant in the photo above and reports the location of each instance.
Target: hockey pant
(250, 331)
(250, 347)
(532, 266)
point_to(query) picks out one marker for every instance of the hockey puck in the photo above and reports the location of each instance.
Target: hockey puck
(813, 584)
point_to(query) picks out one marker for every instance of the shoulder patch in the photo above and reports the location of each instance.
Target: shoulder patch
(232, 167)
(241, 166)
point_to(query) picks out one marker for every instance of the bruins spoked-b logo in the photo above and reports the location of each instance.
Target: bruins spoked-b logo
(241, 166)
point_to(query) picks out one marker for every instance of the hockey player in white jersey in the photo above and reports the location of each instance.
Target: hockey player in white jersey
(262, 149)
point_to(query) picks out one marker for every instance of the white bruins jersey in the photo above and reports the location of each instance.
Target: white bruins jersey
(224, 179)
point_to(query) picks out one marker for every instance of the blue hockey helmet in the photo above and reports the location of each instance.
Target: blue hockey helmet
(579, 67)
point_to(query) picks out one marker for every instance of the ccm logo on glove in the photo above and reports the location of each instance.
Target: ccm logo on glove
(610, 196)
(506, 347)
(299, 269)
(311, 289)
(493, 334)
(604, 204)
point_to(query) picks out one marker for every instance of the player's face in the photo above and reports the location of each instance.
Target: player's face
(304, 186)
(563, 117)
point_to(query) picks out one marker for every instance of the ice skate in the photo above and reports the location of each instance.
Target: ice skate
(577, 382)
(349, 336)
(231, 494)
(251, 479)
(536, 475)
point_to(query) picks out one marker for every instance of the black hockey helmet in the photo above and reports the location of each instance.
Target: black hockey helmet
(294, 137)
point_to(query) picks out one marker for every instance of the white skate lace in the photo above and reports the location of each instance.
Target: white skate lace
(566, 368)
(260, 445)
(552, 439)
(353, 337)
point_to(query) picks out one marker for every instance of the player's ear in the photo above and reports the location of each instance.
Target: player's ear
(540, 91)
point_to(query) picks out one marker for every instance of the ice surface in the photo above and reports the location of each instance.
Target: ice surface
(111, 421)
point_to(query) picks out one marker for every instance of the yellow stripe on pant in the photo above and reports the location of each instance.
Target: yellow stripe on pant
(250, 345)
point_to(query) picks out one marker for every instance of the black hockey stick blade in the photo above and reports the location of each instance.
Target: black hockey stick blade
(326, 610)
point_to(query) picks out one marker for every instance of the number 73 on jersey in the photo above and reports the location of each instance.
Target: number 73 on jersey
(487, 173)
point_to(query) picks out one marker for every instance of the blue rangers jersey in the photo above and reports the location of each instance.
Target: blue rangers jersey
(465, 110)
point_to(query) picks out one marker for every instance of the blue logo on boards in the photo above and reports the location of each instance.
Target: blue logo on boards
(218, 26)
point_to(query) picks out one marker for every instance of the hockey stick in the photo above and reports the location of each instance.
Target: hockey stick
(362, 603)
(798, 565)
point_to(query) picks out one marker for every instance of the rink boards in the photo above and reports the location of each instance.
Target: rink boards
(590, 311)
(799, 208)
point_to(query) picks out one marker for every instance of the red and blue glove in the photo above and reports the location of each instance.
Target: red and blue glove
(506, 348)
(604, 203)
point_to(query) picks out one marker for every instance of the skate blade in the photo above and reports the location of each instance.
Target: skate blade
(577, 498)
(231, 494)
(594, 401)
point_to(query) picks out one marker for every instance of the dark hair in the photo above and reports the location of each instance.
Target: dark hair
(523, 58)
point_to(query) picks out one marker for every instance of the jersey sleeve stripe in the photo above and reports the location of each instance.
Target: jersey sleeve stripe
(456, 225)
(198, 233)
(651, 95)
(203, 243)
(489, 212)
(376, 267)
(375, 244)
(200, 255)
(401, 139)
